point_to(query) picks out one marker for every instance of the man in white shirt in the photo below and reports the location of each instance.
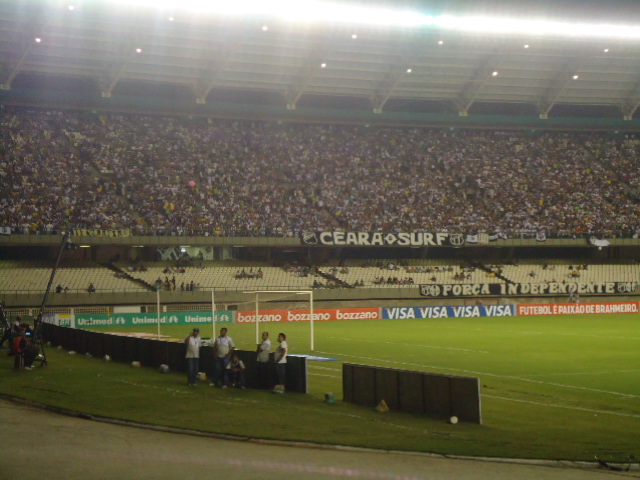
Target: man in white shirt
(262, 361)
(281, 361)
(193, 343)
(223, 349)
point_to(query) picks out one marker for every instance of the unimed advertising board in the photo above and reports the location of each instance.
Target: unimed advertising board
(130, 319)
(304, 315)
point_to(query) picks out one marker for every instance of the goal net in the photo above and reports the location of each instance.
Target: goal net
(275, 311)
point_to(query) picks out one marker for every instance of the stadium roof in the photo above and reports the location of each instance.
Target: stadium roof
(95, 47)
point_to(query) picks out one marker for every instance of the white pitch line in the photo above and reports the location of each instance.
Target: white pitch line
(581, 373)
(589, 410)
(323, 375)
(377, 342)
(315, 367)
(556, 334)
(473, 372)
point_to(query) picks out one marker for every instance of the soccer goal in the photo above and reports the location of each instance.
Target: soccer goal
(284, 308)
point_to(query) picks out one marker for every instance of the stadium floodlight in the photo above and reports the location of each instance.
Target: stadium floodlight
(530, 27)
(316, 11)
(303, 11)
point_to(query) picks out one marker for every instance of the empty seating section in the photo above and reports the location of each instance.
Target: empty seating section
(24, 277)
(224, 277)
(575, 273)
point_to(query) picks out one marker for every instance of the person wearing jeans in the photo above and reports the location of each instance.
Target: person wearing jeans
(193, 343)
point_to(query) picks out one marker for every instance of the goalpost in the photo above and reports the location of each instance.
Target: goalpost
(264, 294)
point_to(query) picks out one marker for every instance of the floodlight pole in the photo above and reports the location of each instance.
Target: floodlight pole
(311, 318)
(158, 308)
(213, 314)
(257, 323)
(37, 324)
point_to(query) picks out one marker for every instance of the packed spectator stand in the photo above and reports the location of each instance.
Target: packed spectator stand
(158, 175)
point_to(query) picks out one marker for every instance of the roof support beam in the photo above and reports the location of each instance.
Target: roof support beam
(392, 78)
(315, 61)
(11, 68)
(558, 85)
(472, 89)
(631, 103)
(113, 72)
(210, 76)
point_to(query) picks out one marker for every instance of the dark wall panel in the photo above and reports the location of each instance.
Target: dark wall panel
(465, 399)
(437, 396)
(386, 382)
(364, 388)
(153, 353)
(347, 382)
(410, 387)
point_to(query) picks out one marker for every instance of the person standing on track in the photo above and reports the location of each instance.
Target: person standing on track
(223, 349)
(193, 342)
(262, 361)
(281, 363)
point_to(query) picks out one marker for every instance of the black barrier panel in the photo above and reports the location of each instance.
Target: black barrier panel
(57, 335)
(207, 361)
(130, 349)
(175, 356)
(123, 348)
(157, 351)
(296, 374)
(410, 391)
(347, 382)
(81, 341)
(47, 333)
(113, 347)
(364, 387)
(386, 381)
(437, 395)
(249, 360)
(94, 344)
(152, 353)
(145, 353)
(51, 334)
(67, 338)
(465, 399)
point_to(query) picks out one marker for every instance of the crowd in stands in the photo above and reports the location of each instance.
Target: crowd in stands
(162, 174)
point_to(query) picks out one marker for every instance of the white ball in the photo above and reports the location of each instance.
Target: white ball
(453, 420)
(107, 358)
(164, 368)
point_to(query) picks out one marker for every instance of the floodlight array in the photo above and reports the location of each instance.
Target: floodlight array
(314, 11)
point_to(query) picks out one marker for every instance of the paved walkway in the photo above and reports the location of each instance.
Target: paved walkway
(38, 444)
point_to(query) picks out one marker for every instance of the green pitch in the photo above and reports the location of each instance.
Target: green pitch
(565, 387)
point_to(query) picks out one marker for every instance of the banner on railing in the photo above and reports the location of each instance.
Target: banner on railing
(460, 311)
(578, 308)
(304, 315)
(379, 239)
(87, 232)
(60, 319)
(132, 319)
(439, 290)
